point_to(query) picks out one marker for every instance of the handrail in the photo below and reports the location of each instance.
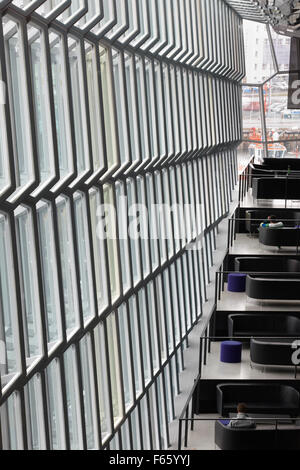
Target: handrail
(232, 228)
(184, 416)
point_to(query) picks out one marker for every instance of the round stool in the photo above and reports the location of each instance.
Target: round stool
(231, 352)
(237, 282)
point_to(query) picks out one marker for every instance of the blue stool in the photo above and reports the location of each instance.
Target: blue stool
(231, 352)
(237, 282)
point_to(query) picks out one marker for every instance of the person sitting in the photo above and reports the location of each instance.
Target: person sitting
(272, 223)
(242, 420)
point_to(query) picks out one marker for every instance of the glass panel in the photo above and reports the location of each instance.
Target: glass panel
(43, 124)
(282, 123)
(88, 392)
(73, 400)
(34, 413)
(110, 222)
(143, 313)
(125, 355)
(102, 374)
(18, 89)
(29, 286)
(55, 407)
(49, 271)
(94, 106)
(123, 236)
(11, 423)
(99, 251)
(259, 61)
(121, 106)
(135, 335)
(84, 257)
(9, 331)
(109, 110)
(61, 103)
(115, 377)
(282, 46)
(79, 106)
(66, 245)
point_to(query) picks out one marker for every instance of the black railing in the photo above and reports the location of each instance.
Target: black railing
(234, 223)
(188, 412)
(250, 172)
(263, 420)
(221, 276)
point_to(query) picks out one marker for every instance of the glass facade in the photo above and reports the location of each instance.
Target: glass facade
(131, 108)
(270, 128)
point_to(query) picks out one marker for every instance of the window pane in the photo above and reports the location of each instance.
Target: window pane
(29, 286)
(79, 106)
(34, 412)
(88, 391)
(113, 348)
(19, 102)
(61, 105)
(41, 104)
(9, 331)
(68, 265)
(73, 403)
(108, 105)
(84, 255)
(55, 407)
(99, 251)
(94, 106)
(49, 271)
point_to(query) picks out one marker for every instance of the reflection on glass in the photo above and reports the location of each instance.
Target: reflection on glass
(259, 60)
(282, 123)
